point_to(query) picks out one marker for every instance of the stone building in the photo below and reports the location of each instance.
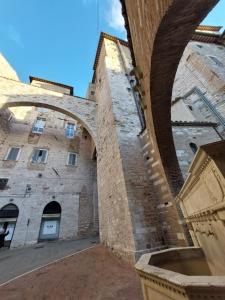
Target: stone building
(198, 100)
(137, 213)
(47, 171)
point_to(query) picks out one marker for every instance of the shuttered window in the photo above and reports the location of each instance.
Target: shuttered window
(39, 156)
(13, 153)
(72, 159)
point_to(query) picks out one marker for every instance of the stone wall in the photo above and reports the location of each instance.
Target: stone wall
(50, 86)
(185, 135)
(6, 69)
(128, 220)
(199, 86)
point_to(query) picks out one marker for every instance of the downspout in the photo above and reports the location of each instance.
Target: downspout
(132, 83)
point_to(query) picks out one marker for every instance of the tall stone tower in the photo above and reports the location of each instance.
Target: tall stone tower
(129, 222)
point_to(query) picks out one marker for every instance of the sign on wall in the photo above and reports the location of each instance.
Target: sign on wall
(50, 227)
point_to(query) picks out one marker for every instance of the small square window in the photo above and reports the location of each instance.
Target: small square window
(39, 156)
(13, 153)
(72, 159)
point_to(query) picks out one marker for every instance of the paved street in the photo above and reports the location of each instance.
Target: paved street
(18, 261)
(93, 274)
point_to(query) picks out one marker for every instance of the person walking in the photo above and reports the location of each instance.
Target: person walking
(3, 234)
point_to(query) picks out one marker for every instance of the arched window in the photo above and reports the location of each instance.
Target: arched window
(193, 147)
(9, 211)
(52, 208)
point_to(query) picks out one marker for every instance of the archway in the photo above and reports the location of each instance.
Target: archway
(163, 29)
(174, 32)
(14, 94)
(8, 218)
(50, 222)
(158, 32)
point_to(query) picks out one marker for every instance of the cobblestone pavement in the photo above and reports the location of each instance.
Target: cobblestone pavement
(18, 261)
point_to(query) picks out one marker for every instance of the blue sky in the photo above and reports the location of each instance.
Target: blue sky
(57, 40)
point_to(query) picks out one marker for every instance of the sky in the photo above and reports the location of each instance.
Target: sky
(57, 39)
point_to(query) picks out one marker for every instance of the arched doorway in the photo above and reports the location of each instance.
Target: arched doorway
(8, 217)
(50, 222)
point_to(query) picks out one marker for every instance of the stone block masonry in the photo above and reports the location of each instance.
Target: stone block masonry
(129, 223)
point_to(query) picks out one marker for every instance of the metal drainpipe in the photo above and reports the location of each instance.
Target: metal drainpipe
(218, 133)
(132, 84)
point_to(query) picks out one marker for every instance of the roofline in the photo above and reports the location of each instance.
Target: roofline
(52, 82)
(213, 28)
(100, 42)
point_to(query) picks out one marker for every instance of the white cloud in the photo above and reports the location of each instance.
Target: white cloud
(114, 16)
(14, 36)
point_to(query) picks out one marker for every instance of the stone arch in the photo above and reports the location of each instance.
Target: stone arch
(15, 93)
(158, 32)
(163, 29)
(174, 32)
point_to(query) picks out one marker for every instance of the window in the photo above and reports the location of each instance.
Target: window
(3, 183)
(39, 156)
(13, 153)
(193, 147)
(216, 61)
(72, 159)
(70, 128)
(39, 126)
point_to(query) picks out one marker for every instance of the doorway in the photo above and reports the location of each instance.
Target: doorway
(50, 222)
(8, 217)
